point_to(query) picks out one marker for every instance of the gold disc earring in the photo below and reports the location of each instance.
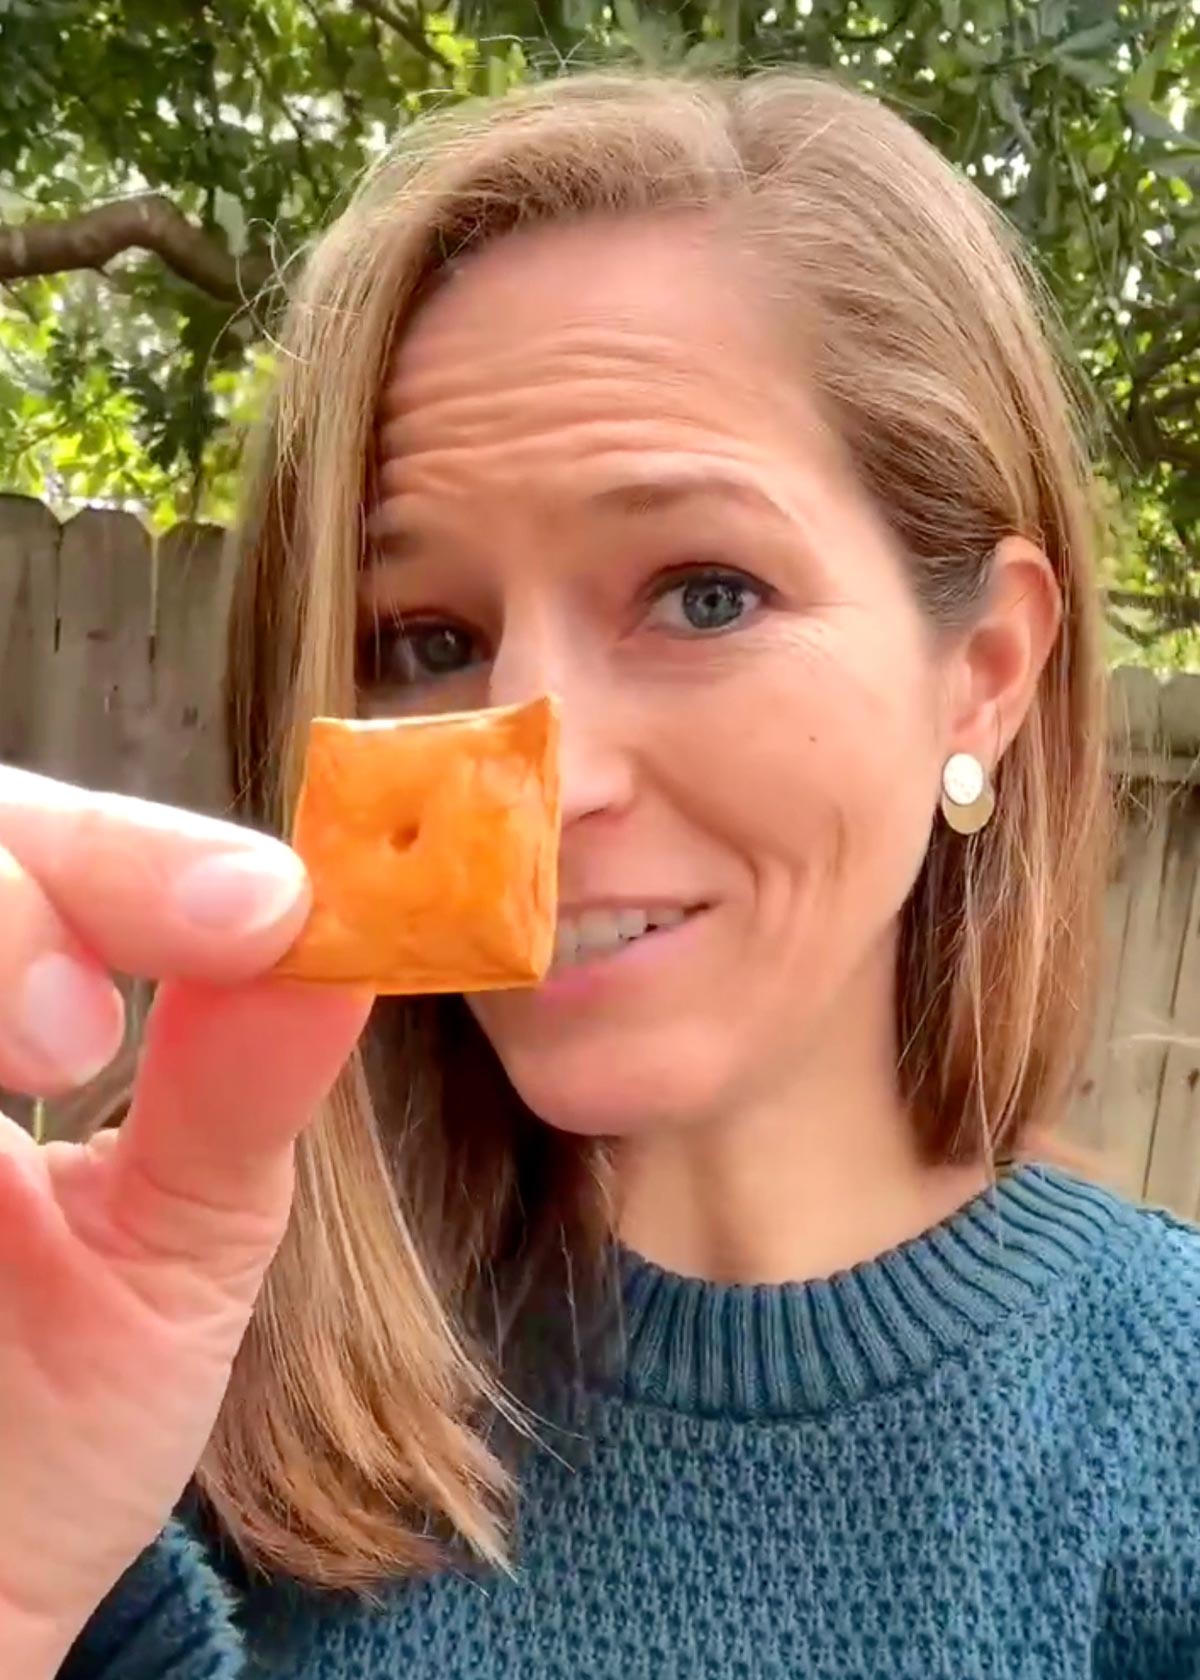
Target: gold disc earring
(967, 797)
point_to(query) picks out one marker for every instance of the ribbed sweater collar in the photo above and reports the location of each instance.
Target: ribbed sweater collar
(788, 1349)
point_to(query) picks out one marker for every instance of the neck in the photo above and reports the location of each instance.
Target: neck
(815, 1173)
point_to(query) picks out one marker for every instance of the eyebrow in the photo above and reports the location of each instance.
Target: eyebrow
(390, 537)
(657, 492)
(383, 528)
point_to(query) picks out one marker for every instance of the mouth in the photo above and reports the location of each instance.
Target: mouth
(594, 934)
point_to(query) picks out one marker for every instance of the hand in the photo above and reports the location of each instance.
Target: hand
(129, 1265)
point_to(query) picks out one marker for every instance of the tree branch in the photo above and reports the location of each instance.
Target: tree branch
(148, 222)
(1174, 611)
(408, 29)
(1166, 353)
(1184, 399)
(1151, 442)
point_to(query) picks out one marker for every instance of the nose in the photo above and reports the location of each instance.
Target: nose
(597, 754)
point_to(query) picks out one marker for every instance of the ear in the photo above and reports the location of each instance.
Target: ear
(994, 670)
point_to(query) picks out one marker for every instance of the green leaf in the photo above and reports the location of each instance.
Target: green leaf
(1088, 72)
(1098, 159)
(628, 17)
(654, 36)
(1150, 123)
(711, 55)
(1140, 88)
(1004, 103)
(1086, 41)
(1185, 166)
(1050, 19)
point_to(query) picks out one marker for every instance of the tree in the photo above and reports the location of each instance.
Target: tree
(163, 161)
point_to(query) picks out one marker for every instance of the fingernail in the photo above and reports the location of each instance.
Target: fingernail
(71, 1018)
(240, 892)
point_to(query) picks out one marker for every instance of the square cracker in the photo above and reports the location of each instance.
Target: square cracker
(432, 846)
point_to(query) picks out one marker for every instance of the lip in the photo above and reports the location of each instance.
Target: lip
(609, 971)
(665, 901)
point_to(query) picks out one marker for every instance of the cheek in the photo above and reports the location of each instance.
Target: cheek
(818, 762)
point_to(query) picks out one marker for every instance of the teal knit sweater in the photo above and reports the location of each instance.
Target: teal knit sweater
(977, 1456)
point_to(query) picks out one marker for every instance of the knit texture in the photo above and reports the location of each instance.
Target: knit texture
(976, 1456)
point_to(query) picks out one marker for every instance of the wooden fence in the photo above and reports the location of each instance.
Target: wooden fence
(110, 652)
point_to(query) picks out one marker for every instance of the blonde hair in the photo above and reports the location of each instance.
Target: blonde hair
(358, 1435)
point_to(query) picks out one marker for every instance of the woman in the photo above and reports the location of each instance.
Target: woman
(691, 1314)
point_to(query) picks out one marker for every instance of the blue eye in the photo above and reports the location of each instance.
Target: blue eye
(420, 650)
(707, 602)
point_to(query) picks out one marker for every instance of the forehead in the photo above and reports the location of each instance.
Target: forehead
(636, 332)
(667, 271)
(634, 267)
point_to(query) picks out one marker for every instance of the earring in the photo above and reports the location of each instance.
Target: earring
(967, 797)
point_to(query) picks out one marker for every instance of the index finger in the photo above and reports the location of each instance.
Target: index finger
(152, 890)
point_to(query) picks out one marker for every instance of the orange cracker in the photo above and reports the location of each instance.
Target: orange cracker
(432, 846)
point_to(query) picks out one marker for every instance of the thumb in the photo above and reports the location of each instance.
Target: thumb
(229, 1076)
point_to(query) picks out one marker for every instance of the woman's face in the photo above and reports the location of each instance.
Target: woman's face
(601, 477)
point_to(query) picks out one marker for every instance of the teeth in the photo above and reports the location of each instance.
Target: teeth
(596, 931)
(566, 942)
(631, 924)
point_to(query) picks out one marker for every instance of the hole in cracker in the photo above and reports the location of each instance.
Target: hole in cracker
(404, 839)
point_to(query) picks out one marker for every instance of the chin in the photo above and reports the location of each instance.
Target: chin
(598, 1095)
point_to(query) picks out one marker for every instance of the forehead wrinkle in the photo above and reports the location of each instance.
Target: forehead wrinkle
(487, 434)
(551, 405)
(447, 356)
(445, 384)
